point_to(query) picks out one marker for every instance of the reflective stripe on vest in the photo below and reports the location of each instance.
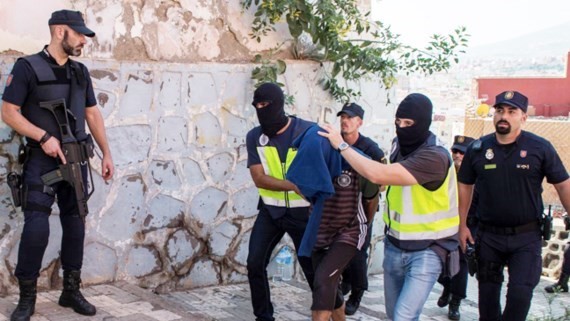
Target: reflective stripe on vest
(419, 214)
(273, 167)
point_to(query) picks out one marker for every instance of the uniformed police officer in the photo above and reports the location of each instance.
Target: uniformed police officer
(507, 168)
(47, 76)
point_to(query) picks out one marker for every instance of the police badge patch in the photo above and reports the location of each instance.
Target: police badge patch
(9, 80)
(263, 140)
(489, 154)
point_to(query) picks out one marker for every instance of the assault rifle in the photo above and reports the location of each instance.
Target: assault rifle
(76, 154)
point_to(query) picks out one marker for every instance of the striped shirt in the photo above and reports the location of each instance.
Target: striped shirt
(344, 218)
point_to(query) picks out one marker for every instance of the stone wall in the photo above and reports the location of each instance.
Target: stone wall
(180, 208)
(146, 30)
(553, 251)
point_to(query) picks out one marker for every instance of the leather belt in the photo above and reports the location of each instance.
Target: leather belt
(529, 227)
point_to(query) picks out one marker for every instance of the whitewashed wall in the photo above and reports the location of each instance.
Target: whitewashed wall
(179, 211)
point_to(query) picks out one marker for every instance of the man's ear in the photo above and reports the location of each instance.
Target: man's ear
(59, 32)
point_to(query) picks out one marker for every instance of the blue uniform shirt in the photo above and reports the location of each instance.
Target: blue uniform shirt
(509, 178)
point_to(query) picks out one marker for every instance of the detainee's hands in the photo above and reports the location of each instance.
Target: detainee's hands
(332, 134)
(298, 191)
(52, 148)
(464, 237)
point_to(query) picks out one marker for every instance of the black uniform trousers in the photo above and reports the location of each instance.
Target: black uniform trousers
(521, 253)
(265, 235)
(35, 234)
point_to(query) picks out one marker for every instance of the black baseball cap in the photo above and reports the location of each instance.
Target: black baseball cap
(352, 109)
(72, 19)
(512, 98)
(460, 143)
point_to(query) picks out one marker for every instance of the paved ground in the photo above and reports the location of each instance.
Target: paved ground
(125, 302)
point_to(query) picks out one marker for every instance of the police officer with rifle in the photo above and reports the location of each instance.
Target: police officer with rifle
(48, 99)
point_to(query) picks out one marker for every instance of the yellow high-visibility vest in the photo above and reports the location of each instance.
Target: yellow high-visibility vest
(416, 213)
(273, 167)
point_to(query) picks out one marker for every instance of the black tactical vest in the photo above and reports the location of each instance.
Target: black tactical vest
(47, 88)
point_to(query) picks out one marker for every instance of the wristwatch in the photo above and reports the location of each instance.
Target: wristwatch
(343, 146)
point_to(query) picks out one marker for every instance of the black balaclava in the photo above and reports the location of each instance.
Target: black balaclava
(419, 108)
(272, 117)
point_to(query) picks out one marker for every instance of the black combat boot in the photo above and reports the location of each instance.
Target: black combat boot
(453, 313)
(27, 303)
(71, 297)
(353, 301)
(444, 298)
(560, 286)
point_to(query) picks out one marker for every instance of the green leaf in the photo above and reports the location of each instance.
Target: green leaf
(332, 26)
(336, 69)
(281, 66)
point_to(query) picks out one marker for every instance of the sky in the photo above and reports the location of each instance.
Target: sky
(487, 21)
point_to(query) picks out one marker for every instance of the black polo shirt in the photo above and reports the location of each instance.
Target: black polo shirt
(509, 177)
(370, 148)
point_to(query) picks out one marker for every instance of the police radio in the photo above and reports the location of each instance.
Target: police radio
(547, 224)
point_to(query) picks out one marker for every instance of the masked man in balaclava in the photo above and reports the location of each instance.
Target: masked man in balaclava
(421, 207)
(281, 207)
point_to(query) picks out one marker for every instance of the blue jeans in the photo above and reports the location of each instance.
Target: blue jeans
(409, 277)
(265, 235)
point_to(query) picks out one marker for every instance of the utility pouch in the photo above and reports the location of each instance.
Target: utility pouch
(88, 147)
(22, 154)
(15, 184)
